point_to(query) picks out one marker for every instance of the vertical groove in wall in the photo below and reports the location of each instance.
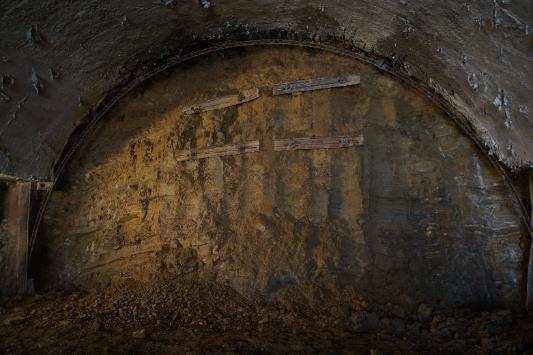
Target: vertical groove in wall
(529, 299)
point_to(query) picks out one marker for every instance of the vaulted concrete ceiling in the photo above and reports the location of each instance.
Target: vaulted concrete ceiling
(63, 64)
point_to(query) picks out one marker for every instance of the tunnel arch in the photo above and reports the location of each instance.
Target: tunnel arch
(93, 122)
(450, 103)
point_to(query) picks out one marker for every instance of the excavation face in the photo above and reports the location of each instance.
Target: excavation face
(366, 192)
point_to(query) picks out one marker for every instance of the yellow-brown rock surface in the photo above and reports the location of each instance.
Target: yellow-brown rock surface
(415, 214)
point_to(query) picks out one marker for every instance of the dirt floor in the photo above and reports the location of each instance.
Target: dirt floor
(174, 316)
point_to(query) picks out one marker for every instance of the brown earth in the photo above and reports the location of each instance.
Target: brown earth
(192, 315)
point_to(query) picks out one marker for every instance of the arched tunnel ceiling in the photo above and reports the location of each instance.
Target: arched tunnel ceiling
(62, 64)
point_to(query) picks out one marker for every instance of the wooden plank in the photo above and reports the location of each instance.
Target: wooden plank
(223, 102)
(231, 149)
(318, 143)
(315, 84)
(17, 215)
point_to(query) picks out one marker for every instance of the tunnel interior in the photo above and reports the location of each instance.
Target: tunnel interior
(412, 213)
(266, 176)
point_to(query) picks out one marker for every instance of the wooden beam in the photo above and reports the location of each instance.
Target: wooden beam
(315, 84)
(279, 89)
(318, 143)
(223, 102)
(231, 149)
(17, 215)
(279, 145)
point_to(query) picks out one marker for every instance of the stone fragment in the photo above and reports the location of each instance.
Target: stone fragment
(205, 3)
(53, 74)
(36, 83)
(33, 36)
(424, 312)
(6, 81)
(139, 334)
(4, 97)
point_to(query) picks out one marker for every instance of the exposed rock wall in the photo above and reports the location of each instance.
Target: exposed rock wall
(416, 215)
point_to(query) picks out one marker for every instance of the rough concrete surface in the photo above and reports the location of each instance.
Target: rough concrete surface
(63, 63)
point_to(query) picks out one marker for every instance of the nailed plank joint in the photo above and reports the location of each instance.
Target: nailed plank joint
(231, 149)
(223, 102)
(318, 143)
(315, 84)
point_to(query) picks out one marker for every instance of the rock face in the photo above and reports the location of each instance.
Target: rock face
(416, 214)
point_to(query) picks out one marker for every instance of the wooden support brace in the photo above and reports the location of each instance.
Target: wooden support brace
(223, 102)
(231, 149)
(315, 84)
(279, 89)
(318, 143)
(17, 215)
(279, 145)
